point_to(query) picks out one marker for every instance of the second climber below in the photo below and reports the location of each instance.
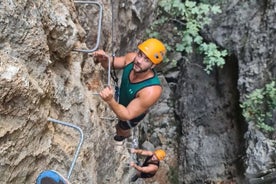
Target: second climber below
(140, 86)
(151, 164)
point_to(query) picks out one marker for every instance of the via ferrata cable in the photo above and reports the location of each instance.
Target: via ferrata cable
(113, 72)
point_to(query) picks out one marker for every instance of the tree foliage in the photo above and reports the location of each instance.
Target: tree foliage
(186, 19)
(260, 105)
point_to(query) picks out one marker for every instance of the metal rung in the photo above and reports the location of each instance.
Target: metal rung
(98, 37)
(99, 25)
(79, 145)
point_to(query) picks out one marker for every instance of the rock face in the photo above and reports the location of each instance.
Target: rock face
(41, 76)
(215, 140)
(198, 120)
(211, 130)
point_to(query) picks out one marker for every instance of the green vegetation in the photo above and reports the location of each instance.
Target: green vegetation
(184, 20)
(259, 106)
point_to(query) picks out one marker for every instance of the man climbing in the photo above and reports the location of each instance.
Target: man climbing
(140, 87)
(150, 165)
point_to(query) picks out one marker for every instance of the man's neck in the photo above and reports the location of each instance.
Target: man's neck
(141, 76)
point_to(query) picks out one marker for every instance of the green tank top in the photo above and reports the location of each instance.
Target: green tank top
(129, 90)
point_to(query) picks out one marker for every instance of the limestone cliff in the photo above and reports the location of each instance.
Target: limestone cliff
(41, 76)
(218, 144)
(197, 121)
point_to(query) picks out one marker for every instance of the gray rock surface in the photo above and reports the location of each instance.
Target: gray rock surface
(198, 119)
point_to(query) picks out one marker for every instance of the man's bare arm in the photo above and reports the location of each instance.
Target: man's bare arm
(151, 168)
(139, 105)
(120, 62)
(142, 152)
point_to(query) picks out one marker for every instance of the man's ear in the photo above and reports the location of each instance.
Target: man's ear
(152, 66)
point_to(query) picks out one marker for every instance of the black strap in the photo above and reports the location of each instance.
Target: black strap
(113, 72)
(115, 79)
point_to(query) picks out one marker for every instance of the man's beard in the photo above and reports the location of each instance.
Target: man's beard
(141, 70)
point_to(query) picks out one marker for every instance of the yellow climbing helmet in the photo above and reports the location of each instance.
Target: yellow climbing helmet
(160, 154)
(154, 49)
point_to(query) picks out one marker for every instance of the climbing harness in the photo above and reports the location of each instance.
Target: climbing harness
(53, 175)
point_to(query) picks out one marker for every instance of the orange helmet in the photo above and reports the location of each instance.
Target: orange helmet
(160, 154)
(153, 49)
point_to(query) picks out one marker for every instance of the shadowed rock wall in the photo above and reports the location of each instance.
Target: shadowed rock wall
(215, 141)
(41, 76)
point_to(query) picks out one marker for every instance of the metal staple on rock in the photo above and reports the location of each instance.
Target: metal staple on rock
(79, 145)
(99, 25)
(98, 35)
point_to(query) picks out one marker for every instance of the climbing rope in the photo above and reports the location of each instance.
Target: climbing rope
(113, 74)
(132, 144)
(135, 143)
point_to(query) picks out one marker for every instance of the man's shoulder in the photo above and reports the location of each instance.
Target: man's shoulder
(130, 57)
(151, 92)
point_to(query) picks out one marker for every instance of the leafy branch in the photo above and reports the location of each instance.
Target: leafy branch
(260, 105)
(188, 19)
